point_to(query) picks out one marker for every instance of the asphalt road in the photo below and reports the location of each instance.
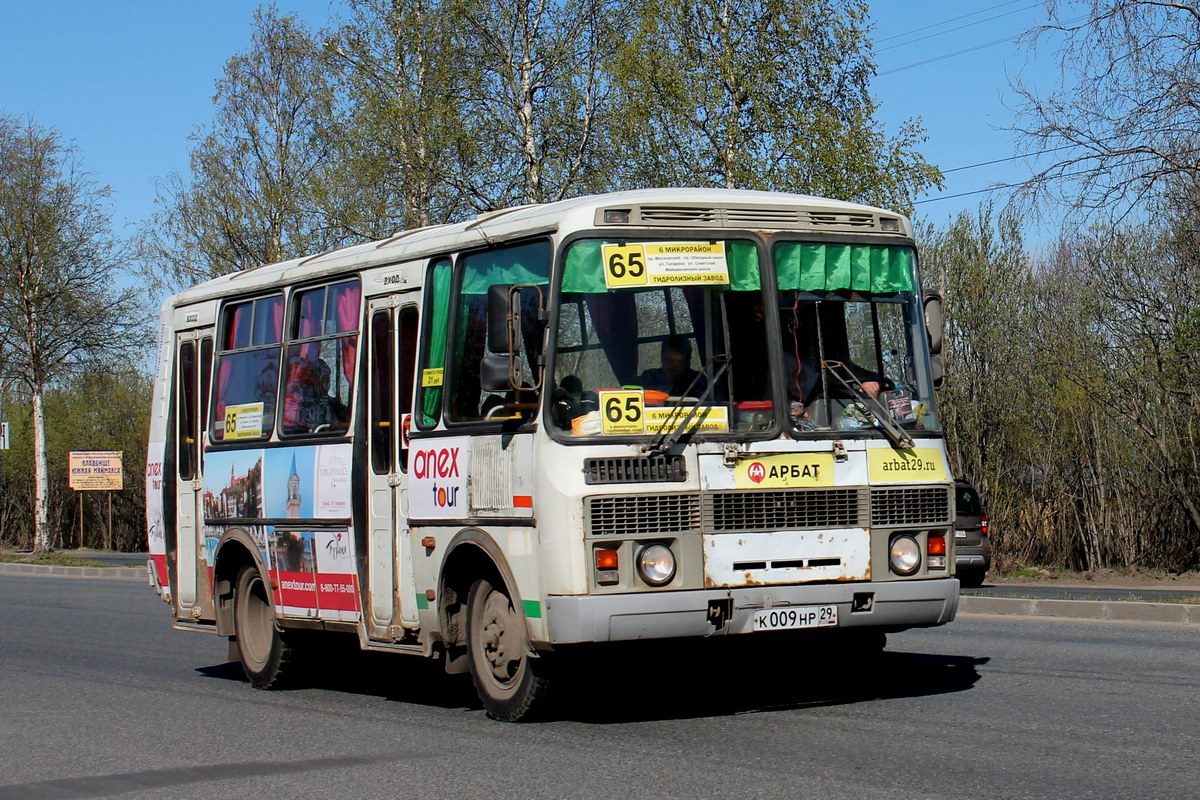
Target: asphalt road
(99, 698)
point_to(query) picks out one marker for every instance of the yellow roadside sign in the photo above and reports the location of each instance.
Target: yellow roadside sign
(96, 471)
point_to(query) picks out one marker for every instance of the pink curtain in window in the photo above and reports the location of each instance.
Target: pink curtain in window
(347, 318)
(277, 315)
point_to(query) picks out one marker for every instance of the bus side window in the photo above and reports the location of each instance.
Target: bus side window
(409, 325)
(246, 374)
(523, 264)
(383, 421)
(185, 411)
(319, 366)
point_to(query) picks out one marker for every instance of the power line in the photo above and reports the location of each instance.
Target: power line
(959, 28)
(947, 55)
(1010, 158)
(1001, 186)
(964, 51)
(946, 21)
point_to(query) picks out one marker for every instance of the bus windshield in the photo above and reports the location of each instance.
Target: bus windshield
(647, 328)
(854, 348)
(849, 357)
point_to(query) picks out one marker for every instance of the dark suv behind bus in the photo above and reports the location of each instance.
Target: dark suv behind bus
(972, 547)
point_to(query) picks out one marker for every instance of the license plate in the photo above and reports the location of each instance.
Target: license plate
(788, 617)
(960, 534)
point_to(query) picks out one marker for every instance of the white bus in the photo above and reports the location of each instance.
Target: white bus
(641, 415)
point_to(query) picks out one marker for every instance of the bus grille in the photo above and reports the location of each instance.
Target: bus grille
(635, 515)
(925, 505)
(790, 510)
(638, 469)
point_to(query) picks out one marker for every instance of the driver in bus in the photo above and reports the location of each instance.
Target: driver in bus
(676, 374)
(801, 355)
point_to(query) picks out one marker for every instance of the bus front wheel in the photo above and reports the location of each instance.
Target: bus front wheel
(510, 680)
(265, 654)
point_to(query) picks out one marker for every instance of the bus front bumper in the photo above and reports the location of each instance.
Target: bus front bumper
(664, 615)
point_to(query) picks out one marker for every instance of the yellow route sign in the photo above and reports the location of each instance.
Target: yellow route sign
(664, 264)
(622, 412)
(243, 421)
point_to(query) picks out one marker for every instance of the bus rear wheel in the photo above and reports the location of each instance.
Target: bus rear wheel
(264, 652)
(510, 680)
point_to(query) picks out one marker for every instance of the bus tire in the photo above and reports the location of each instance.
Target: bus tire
(510, 680)
(265, 654)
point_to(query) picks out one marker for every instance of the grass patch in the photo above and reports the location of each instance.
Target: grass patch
(1026, 572)
(51, 559)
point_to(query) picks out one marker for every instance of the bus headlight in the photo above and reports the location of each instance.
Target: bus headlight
(656, 564)
(905, 555)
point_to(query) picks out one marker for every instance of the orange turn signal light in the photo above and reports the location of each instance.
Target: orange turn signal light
(606, 559)
(936, 545)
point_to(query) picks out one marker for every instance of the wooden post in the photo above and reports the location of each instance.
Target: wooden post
(108, 541)
(81, 520)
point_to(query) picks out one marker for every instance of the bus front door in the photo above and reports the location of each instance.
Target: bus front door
(392, 328)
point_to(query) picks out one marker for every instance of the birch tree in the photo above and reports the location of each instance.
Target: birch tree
(1121, 122)
(538, 100)
(398, 133)
(60, 305)
(249, 198)
(760, 94)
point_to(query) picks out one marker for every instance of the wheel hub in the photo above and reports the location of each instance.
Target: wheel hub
(501, 645)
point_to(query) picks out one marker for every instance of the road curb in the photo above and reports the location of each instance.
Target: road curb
(97, 573)
(1123, 610)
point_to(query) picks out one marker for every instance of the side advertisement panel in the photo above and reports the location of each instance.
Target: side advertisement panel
(156, 541)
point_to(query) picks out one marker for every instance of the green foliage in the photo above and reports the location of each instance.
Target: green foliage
(97, 410)
(395, 136)
(760, 94)
(1073, 389)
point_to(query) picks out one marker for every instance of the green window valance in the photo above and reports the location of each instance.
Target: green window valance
(813, 267)
(584, 271)
(527, 264)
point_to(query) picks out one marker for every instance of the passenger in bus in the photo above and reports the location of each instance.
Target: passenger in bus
(268, 385)
(307, 406)
(676, 374)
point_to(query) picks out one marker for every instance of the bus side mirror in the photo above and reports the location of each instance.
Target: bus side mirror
(499, 313)
(493, 374)
(935, 323)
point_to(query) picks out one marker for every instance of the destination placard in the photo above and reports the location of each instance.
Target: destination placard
(664, 264)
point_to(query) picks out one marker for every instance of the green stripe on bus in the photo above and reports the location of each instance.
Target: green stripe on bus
(533, 609)
(422, 603)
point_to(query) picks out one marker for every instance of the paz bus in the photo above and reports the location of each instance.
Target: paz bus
(654, 414)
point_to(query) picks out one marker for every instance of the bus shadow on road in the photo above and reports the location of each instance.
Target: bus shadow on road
(658, 681)
(681, 685)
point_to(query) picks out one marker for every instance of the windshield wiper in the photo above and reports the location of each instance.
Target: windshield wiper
(670, 435)
(875, 410)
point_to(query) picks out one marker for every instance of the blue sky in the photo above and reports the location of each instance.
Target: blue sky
(129, 81)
